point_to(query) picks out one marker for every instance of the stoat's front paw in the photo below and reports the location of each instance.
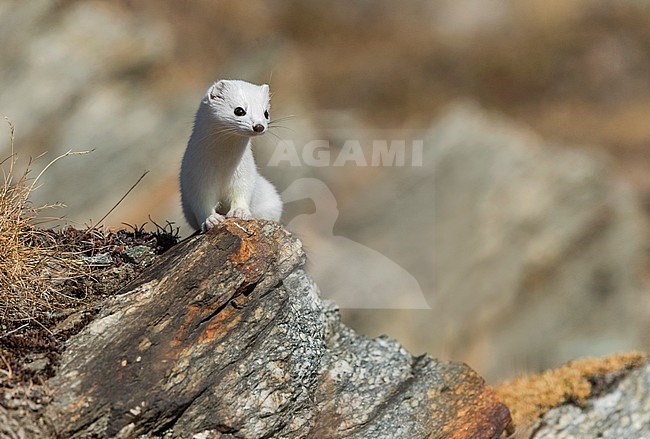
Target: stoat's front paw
(211, 221)
(240, 212)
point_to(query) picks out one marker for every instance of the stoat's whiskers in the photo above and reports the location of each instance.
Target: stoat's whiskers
(275, 124)
(282, 127)
(274, 134)
(282, 118)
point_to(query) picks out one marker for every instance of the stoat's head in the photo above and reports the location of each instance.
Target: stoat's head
(240, 106)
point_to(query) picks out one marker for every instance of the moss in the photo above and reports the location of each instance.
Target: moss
(529, 397)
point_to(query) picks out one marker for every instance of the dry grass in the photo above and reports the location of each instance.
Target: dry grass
(33, 269)
(50, 283)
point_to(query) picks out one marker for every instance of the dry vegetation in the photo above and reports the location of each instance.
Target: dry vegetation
(529, 397)
(53, 281)
(34, 270)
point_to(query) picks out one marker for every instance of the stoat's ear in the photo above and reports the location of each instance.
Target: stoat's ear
(215, 92)
(265, 87)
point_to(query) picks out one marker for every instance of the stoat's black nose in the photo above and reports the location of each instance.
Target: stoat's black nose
(258, 128)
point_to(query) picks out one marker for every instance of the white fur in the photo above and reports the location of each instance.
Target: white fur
(218, 174)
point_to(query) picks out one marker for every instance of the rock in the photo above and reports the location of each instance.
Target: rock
(19, 424)
(620, 413)
(226, 335)
(37, 363)
(20, 413)
(99, 259)
(139, 253)
(594, 397)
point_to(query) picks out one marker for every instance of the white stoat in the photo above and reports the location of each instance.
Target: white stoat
(218, 174)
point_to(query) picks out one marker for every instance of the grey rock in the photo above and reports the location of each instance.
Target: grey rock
(19, 424)
(99, 259)
(37, 363)
(621, 413)
(226, 336)
(139, 253)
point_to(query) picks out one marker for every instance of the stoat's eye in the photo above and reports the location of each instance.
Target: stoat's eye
(239, 111)
(266, 114)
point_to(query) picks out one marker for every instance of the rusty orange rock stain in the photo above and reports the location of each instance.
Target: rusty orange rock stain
(244, 253)
(209, 334)
(220, 325)
(193, 312)
(478, 413)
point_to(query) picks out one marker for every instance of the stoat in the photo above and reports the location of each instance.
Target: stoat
(218, 177)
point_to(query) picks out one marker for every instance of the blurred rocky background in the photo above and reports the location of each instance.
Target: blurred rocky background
(525, 228)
